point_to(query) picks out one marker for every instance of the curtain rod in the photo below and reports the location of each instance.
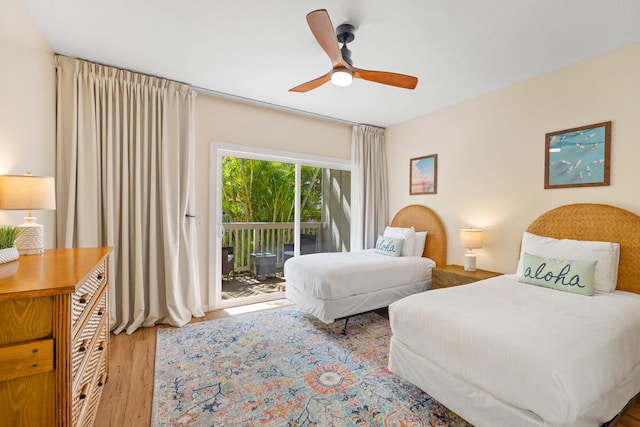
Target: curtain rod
(272, 106)
(235, 97)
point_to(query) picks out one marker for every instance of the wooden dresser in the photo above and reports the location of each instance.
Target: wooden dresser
(54, 337)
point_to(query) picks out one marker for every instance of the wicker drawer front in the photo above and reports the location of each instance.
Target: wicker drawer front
(86, 337)
(94, 355)
(92, 405)
(79, 400)
(87, 394)
(84, 295)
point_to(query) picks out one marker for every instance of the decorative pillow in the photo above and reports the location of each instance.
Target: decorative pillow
(561, 274)
(418, 245)
(390, 246)
(407, 234)
(606, 253)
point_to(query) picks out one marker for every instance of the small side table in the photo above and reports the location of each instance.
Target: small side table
(455, 275)
(264, 264)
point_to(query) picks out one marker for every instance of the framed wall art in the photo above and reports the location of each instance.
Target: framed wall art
(423, 175)
(578, 157)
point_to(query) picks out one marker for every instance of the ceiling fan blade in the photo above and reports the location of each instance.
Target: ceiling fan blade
(392, 79)
(312, 84)
(322, 28)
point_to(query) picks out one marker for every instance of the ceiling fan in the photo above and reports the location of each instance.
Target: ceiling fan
(343, 71)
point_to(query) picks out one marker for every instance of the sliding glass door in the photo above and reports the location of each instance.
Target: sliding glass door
(271, 207)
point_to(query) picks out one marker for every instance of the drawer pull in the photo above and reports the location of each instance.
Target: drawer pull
(100, 311)
(84, 345)
(101, 346)
(84, 298)
(83, 392)
(102, 380)
(100, 277)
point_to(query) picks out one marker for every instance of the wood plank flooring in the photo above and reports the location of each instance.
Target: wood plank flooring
(127, 396)
(631, 417)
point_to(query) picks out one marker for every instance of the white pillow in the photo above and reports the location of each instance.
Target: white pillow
(606, 253)
(418, 245)
(408, 234)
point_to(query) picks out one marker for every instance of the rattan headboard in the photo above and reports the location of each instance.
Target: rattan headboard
(424, 219)
(598, 223)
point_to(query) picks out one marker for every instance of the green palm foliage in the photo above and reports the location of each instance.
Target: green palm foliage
(264, 191)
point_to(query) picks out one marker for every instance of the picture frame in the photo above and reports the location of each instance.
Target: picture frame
(423, 175)
(578, 157)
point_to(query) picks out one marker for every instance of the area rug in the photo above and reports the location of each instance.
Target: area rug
(285, 368)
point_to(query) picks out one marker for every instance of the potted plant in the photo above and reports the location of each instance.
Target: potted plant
(8, 251)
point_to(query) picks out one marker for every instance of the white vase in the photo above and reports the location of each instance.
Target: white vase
(8, 255)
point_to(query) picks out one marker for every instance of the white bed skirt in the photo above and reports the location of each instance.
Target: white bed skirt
(483, 410)
(330, 310)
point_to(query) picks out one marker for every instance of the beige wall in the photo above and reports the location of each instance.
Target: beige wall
(229, 122)
(27, 124)
(491, 152)
(27, 105)
(490, 149)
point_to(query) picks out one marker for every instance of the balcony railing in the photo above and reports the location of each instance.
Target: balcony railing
(260, 237)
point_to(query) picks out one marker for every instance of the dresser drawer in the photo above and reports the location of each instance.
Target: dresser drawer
(83, 297)
(24, 359)
(87, 395)
(92, 405)
(94, 355)
(89, 338)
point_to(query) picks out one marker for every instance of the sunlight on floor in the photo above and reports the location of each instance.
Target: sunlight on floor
(257, 307)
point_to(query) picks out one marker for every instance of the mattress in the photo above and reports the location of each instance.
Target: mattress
(554, 354)
(338, 275)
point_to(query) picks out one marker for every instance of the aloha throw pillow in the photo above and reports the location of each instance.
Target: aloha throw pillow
(606, 253)
(561, 274)
(391, 246)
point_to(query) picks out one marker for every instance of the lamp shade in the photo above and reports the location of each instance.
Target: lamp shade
(471, 238)
(27, 192)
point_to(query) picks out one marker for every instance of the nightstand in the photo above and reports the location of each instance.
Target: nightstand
(456, 275)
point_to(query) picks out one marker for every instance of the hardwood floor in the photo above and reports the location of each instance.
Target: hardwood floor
(631, 417)
(127, 396)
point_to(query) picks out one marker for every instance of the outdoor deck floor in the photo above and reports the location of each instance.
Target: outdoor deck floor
(246, 285)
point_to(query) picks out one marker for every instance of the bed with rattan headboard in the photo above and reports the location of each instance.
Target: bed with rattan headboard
(598, 222)
(529, 355)
(334, 286)
(421, 218)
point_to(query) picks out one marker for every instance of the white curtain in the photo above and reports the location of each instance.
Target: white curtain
(125, 179)
(370, 207)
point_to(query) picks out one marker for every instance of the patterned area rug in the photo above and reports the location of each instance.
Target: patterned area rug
(285, 368)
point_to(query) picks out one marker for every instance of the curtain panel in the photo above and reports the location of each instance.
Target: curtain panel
(125, 179)
(370, 208)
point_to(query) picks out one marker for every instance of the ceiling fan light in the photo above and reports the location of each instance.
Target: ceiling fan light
(341, 77)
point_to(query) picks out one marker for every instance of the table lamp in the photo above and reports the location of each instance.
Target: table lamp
(28, 192)
(470, 238)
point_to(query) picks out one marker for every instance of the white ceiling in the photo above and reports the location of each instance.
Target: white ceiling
(258, 49)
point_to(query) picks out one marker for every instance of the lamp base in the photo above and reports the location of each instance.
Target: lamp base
(30, 240)
(470, 262)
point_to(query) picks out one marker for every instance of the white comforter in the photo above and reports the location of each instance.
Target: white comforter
(337, 275)
(550, 352)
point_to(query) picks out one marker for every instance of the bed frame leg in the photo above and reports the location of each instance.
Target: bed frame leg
(344, 330)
